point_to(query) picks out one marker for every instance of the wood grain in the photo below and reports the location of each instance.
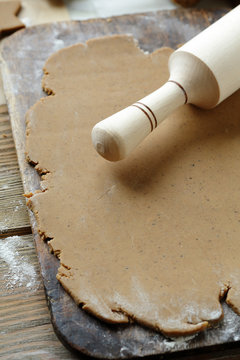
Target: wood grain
(76, 328)
(14, 217)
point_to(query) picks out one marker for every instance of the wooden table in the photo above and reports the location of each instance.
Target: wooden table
(25, 325)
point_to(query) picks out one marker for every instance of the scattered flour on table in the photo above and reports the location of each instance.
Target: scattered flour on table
(8, 221)
(4, 187)
(19, 205)
(3, 225)
(20, 273)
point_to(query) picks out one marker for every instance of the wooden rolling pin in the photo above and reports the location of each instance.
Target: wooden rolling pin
(203, 72)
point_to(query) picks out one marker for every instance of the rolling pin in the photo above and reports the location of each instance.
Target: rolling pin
(203, 72)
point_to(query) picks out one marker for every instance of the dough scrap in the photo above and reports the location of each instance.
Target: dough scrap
(153, 238)
(8, 19)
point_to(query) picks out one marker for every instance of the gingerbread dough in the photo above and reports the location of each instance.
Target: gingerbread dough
(8, 19)
(153, 238)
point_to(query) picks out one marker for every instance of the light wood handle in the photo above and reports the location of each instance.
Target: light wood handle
(115, 137)
(203, 72)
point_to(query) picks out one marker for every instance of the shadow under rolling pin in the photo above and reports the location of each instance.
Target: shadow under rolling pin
(203, 72)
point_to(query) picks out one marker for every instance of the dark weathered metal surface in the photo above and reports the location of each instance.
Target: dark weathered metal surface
(23, 56)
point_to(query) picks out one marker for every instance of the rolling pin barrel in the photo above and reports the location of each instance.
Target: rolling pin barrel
(203, 72)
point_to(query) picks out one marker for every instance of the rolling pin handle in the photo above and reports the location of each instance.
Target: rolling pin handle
(115, 137)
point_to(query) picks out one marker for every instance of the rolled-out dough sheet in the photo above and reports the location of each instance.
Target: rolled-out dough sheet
(153, 238)
(8, 17)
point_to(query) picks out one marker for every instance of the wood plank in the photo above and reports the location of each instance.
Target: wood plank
(14, 217)
(25, 325)
(74, 326)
